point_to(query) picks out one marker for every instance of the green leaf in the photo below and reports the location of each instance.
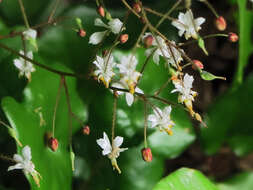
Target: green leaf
(201, 44)
(242, 181)
(185, 179)
(54, 167)
(209, 76)
(230, 120)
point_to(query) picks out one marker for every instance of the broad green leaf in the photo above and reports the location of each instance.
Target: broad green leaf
(185, 179)
(242, 181)
(230, 120)
(54, 167)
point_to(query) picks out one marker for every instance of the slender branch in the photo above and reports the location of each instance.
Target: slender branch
(23, 13)
(145, 125)
(50, 18)
(57, 103)
(130, 8)
(114, 116)
(40, 65)
(162, 87)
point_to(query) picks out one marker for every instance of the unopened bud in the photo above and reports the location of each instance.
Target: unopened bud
(232, 37)
(197, 65)
(86, 130)
(148, 41)
(53, 144)
(123, 38)
(146, 154)
(198, 117)
(101, 11)
(105, 53)
(81, 33)
(137, 7)
(221, 23)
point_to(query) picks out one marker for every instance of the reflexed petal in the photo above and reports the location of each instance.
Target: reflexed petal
(199, 21)
(29, 54)
(167, 110)
(26, 152)
(17, 158)
(30, 33)
(99, 22)
(97, 37)
(118, 85)
(152, 118)
(115, 25)
(17, 166)
(117, 142)
(18, 63)
(138, 90)
(129, 99)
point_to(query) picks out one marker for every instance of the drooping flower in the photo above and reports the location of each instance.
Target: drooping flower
(129, 97)
(104, 70)
(187, 25)
(159, 48)
(175, 55)
(31, 35)
(24, 66)
(129, 75)
(113, 26)
(112, 151)
(25, 163)
(184, 88)
(161, 119)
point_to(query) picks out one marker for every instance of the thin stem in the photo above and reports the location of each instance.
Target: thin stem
(130, 8)
(146, 61)
(40, 65)
(50, 18)
(145, 124)
(211, 8)
(162, 87)
(23, 13)
(114, 116)
(57, 103)
(3, 157)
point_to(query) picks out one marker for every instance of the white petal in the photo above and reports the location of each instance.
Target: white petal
(115, 25)
(156, 58)
(152, 118)
(117, 142)
(129, 99)
(199, 21)
(19, 64)
(167, 110)
(26, 152)
(138, 90)
(17, 166)
(99, 22)
(97, 37)
(29, 54)
(17, 158)
(30, 33)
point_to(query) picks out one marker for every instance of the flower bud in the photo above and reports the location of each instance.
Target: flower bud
(123, 38)
(53, 144)
(148, 41)
(197, 65)
(86, 130)
(81, 33)
(146, 154)
(232, 37)
(105, 52)
(101, 11)
(221, 23)
(137, 7)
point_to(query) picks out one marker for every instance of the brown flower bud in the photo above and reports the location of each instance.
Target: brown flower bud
(137, 6)
(53, 144)
(101, 11)
(123, 38)
(86, 130)
(146, 154)
(148, 41)
(232, 37)
(81, 33)
(221, 23)
(197, 65)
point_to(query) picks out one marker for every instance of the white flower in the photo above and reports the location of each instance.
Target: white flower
(111, 151)
(25, 67)
(129, 97)
(188, 25)
(30, 34)
(25, 163)
(114, 26)
(162, 119)
(184, 88)
(104, 70)
(175, 55)
(128, 73)
(160, 48)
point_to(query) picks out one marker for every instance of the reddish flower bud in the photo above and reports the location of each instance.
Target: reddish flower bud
(123, 38)
(197, 65)
(232, 37)
(101, 11)
(81, 33)
(137, 7)
(86, 130)
(53, 144)
(146, 154)
(148, 41)
(221, 23)
(105, 53)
